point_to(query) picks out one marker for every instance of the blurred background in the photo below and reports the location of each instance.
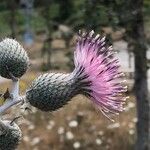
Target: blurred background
(47, 29)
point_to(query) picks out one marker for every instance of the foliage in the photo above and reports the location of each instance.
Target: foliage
(78, 14)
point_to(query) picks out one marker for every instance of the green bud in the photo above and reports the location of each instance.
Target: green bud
(14, 60)
(10, 135)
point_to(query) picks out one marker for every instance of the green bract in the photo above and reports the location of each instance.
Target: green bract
(14, 60)
(10, 135)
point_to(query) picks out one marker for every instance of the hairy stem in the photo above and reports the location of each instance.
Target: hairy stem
(15, 89)
(15, 98)
(9, 104)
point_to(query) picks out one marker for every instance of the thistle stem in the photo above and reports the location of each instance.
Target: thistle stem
(15, 98)
(9, 104)
(15, 89)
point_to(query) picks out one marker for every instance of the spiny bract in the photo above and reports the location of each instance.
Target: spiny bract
(10, 135)
(52, 90)
(14, 60)
(96, 75)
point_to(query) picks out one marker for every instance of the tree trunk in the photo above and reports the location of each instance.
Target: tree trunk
(141, 87)
(13, 6)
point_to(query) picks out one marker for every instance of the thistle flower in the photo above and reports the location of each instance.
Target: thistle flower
(96, 75)
(10, 135)
(13, 59)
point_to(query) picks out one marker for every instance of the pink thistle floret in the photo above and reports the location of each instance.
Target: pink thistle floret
(101, 68)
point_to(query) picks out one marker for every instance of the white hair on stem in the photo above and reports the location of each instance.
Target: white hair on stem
(15, 97)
